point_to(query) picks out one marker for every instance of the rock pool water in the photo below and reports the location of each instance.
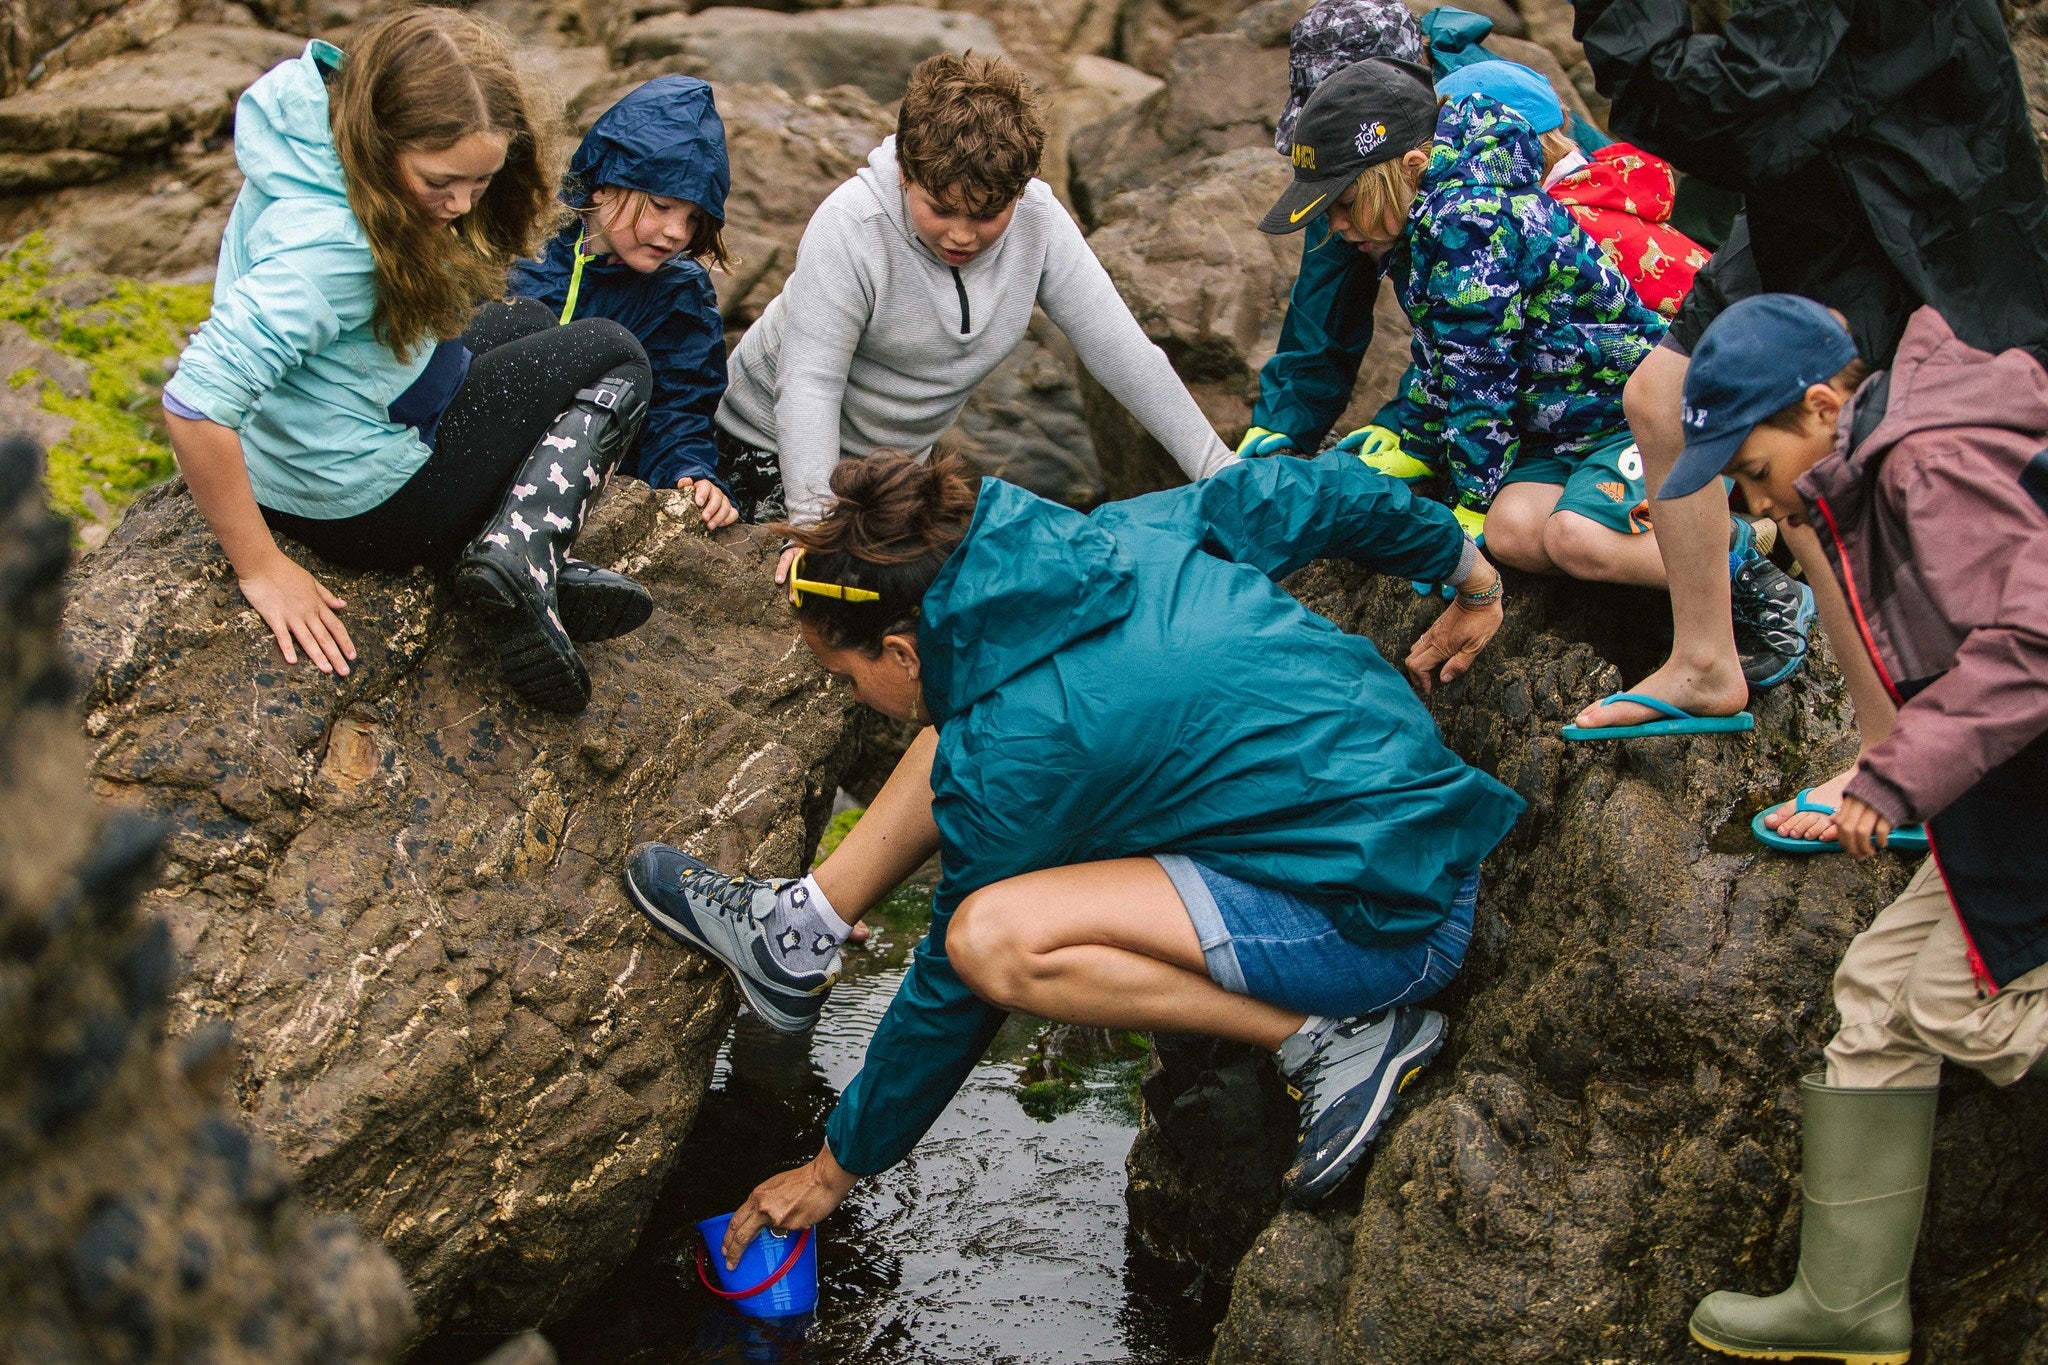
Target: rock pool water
(1003, 1238)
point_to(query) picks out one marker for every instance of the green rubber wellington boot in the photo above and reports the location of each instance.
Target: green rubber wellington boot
(1865, 1154)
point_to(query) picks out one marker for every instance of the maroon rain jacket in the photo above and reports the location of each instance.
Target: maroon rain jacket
(1934, 511)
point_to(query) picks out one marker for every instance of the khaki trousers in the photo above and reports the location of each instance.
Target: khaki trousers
(1909, 1002)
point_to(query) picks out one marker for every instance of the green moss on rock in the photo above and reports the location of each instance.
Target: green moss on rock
(128, 334)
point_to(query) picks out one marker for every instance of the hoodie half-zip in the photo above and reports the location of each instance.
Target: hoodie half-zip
(960, 285)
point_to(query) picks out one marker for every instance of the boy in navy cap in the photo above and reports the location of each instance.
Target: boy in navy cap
(1887, 161)
(1945, 450)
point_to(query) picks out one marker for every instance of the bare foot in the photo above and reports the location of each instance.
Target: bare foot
(1810, 824)
(1719, 690)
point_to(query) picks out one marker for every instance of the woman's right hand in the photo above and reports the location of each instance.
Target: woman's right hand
(789, 554)
(297, 607)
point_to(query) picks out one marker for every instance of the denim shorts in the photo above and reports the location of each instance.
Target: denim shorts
(1274, 946)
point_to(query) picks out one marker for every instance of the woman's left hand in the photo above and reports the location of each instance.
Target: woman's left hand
(1448, 647)
(1859, 828)
(712, 503)
(795, 1199)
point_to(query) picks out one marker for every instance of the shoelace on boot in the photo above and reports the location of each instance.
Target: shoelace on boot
(731, 895)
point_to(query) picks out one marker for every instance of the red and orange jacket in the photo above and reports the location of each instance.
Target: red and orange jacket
(1623, 198)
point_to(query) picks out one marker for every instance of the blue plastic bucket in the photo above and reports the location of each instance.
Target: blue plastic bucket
(777, 1276)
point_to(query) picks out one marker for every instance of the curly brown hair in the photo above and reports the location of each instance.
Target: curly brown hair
(971, 130)
(424, 79)
(892, 527)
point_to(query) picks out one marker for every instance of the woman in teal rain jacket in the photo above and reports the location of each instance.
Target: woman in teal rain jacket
(1166, 794)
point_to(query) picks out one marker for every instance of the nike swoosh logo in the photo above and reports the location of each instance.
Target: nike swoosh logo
(1307, 210)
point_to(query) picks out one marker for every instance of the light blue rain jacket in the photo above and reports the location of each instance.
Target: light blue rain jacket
(288, 358)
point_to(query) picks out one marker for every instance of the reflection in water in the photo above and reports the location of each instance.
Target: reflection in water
(1002, 1239)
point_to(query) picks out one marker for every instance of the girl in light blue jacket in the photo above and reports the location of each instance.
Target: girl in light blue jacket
(333, 395)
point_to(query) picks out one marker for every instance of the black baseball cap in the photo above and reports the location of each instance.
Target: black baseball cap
(1759, 357)
(1369, 112)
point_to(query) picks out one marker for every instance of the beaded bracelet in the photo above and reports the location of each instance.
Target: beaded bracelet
(1472, 601)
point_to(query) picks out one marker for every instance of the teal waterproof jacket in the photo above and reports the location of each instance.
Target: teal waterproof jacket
(1134, 681)
(289, 359)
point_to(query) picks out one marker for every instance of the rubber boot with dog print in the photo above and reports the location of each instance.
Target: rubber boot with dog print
(508, 575)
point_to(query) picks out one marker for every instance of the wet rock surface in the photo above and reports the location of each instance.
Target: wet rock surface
(402, 888)
(1612, 1129)
(141, 1221)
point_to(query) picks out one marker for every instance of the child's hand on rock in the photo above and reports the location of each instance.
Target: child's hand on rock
(297, 607)
(712, 503)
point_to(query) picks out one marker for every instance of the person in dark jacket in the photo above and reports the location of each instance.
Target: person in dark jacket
(1166, 795)
(1928, 487)
(1886, 158)
(648, 185)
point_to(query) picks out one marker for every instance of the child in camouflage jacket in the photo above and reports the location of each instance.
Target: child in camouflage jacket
(1524, 336)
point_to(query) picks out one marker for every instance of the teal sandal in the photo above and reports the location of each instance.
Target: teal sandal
(1679, 721)
(1906, 839)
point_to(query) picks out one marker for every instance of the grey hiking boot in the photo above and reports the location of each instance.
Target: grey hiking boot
(1773, 616)
(727, 917)
(1347, 1079)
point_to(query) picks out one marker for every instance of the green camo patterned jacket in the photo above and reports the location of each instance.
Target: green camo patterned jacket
(1524, 334)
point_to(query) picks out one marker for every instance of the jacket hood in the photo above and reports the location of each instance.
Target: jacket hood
(1935, 381)
(1480, 143)
(665, 138)
(1030, 578)
(283, 141)
(1622, 178)
(1456, 38)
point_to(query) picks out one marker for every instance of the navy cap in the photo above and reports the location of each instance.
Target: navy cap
(1369, 112)
(1759, 357)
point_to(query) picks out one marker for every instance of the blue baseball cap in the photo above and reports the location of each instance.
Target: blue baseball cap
(1759, 357)
(1526, 93)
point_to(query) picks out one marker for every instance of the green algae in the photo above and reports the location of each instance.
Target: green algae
(128, 336)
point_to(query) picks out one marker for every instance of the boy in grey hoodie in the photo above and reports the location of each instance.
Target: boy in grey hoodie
(913, 281)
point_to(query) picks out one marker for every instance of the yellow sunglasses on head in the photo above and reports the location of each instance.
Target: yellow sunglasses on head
(799, 585)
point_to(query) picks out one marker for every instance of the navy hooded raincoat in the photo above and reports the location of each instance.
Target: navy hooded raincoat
(664, 138)
(1134, 681)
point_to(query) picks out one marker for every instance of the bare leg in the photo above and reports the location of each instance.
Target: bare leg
(1105, 944)
(1875, 712)
(1524, 530)
(1515, 526)
(1703, 674)
(891, 840)
(1592, 553)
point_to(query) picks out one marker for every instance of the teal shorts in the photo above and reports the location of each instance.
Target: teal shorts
(1605, 486)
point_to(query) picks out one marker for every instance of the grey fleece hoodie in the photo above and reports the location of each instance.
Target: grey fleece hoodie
(876, 343)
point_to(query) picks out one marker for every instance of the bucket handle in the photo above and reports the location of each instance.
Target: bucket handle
(803, 1240)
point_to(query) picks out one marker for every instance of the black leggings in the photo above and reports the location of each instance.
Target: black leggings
(525, 372)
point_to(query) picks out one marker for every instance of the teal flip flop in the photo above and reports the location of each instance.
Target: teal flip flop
(1680, 721)
(1907, 839)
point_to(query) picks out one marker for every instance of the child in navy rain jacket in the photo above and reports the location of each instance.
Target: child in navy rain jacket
(649, 184)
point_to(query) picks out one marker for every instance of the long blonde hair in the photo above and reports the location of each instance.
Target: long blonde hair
(424, 79)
